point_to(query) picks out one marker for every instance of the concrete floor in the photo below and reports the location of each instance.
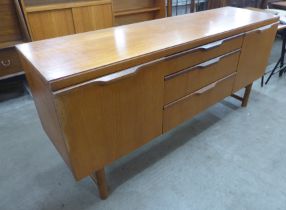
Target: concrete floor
(227, 158)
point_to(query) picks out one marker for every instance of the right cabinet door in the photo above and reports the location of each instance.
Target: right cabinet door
(256, 49)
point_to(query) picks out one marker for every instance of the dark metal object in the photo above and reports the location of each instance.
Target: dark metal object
(281, 61)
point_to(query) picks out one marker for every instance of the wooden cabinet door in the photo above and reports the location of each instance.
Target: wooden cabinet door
(111, 116)
(9, 25)
(255, 51)
(49, 24)
(92, 17)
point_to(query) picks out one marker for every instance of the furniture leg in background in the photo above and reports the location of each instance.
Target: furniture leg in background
(245, 98)
(281, 61)
(99, 178)
(169, 11)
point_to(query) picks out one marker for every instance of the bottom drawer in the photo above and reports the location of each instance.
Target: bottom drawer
(190, 105)
(9, 62)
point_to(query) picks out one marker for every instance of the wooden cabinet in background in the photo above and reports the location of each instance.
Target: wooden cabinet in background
(52, 23)
(12, 31)
(49, 19)
(92, 17)
(9, 63)
(132, 11)
(9, 24)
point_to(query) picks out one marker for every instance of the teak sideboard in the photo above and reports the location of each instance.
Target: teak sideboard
(100, 95)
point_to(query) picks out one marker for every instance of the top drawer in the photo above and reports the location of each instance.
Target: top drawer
(201, 54)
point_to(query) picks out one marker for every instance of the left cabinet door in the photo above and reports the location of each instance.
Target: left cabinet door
(92, 17)
(109, 117)
(50, 24)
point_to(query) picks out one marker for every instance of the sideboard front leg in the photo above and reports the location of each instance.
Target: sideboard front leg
(99, 178)
(246, 95)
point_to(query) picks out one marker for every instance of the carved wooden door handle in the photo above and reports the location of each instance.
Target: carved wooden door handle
(6, 63)
(206, 89)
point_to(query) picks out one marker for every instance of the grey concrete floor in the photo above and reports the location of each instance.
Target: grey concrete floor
(227, 158)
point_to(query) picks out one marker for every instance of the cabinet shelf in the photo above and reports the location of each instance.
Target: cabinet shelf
(12, 75)
(63, 5)
(4, 45)
(79, 16)
(135, 11)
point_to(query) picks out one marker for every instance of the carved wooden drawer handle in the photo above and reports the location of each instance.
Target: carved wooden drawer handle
(201, 48)
(206, 89)
(114, 77)
(205, 47)
(265, 28)
(212, 45)
(108, 79)
(209, 63)
(6, 63)
(105, 80)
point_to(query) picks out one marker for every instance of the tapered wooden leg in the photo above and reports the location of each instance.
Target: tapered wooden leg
(246, 95)
(99, 178)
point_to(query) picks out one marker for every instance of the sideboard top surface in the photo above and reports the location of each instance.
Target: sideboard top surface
(73, 59)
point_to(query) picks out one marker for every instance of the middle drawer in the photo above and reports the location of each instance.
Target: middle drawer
(182, 83)
(187, 107)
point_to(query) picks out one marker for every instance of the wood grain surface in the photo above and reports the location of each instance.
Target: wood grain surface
(74, 59)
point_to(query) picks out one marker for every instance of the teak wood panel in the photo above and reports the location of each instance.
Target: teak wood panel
(191, 79)
(120, 5)
(122, 47)
(92, 17)
(9, 24)
(49, 24)
(104, 120)
(46, 5)
(134, 18)
(9, 62)
(44, 102)
(126, 11)
(254, 55)
(162, 12)
(187, 107)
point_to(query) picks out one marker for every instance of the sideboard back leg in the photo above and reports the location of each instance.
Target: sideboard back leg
(99, 178)
(244, 99)
(246, 95)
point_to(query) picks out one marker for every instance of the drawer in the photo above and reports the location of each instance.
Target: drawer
(191, 79)
(190, 105)
(189, 58)
(9, 62)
